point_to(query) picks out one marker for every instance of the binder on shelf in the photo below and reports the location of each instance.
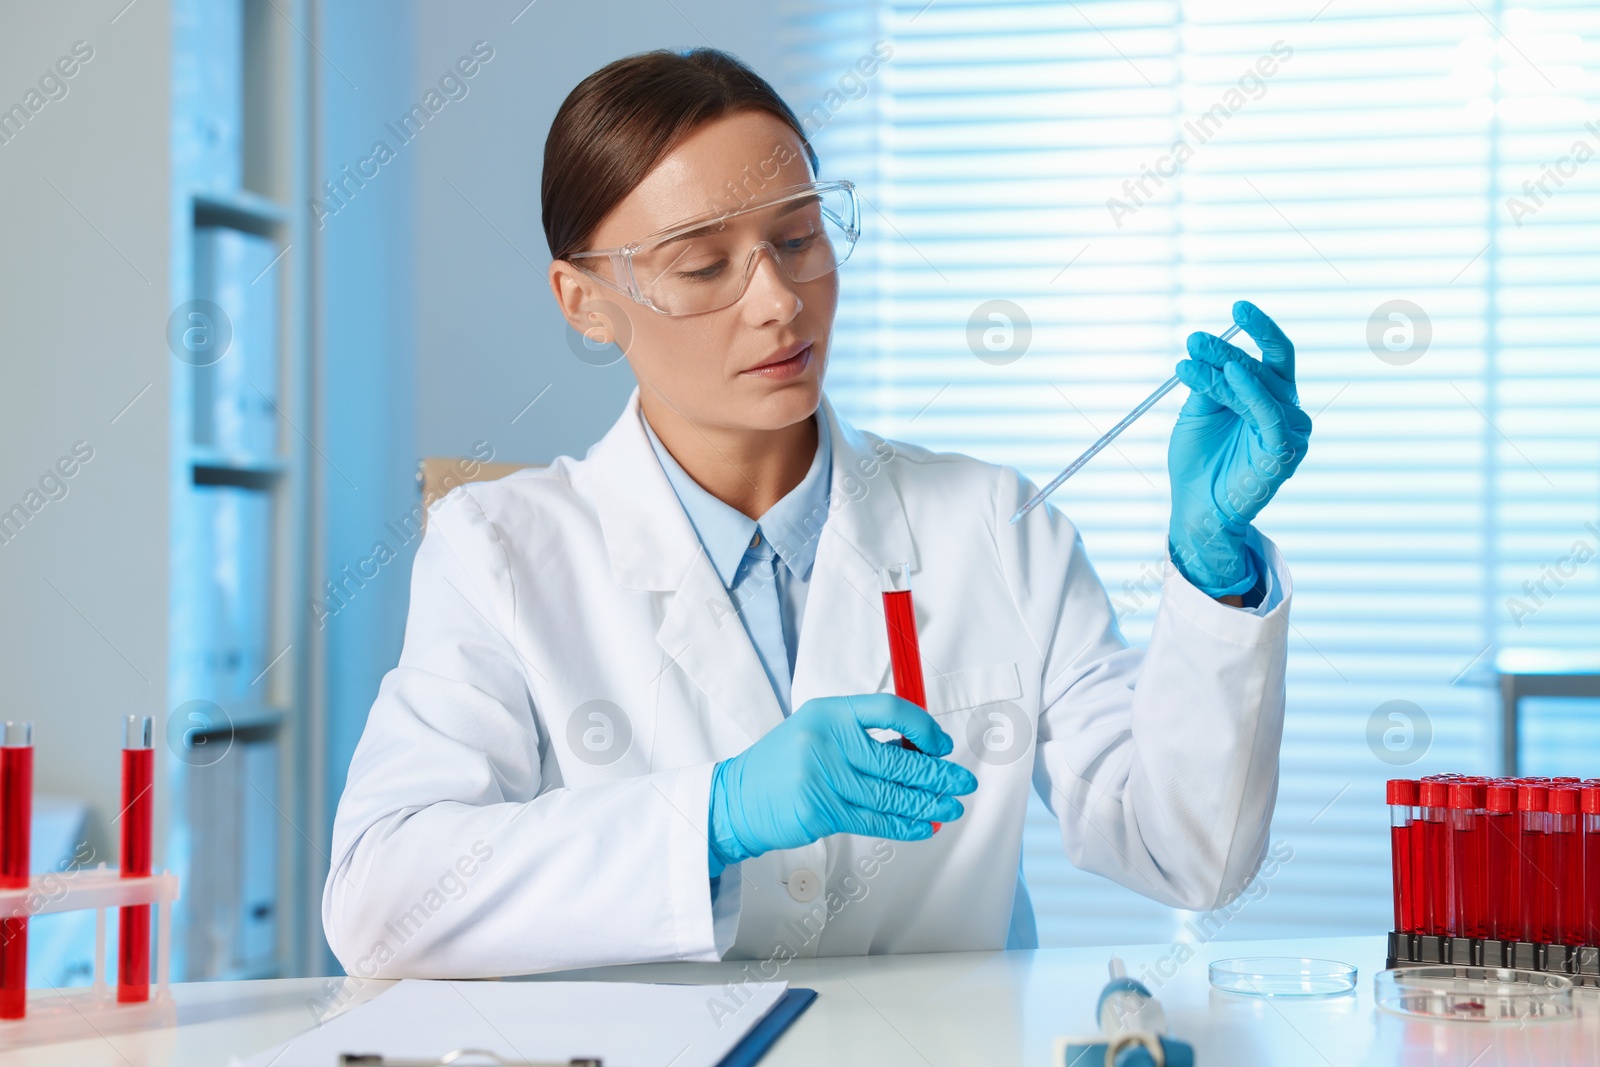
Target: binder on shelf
(235, 398)
(231, 902)
(207, 92)
(235, 586)
(255, 941)
(230, 832)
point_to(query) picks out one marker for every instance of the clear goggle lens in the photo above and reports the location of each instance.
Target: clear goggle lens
(808, 233)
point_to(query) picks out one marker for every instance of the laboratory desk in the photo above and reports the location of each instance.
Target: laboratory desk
(956, 1009)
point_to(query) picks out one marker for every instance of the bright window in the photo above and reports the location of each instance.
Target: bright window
(1334, 161)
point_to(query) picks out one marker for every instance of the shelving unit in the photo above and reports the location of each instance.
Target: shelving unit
(238, 672)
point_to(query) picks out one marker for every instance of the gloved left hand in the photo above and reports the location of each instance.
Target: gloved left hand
(1239, 437)
(819, 773)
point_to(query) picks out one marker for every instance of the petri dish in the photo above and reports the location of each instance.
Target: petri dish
(1473, 994)
(1283, 976)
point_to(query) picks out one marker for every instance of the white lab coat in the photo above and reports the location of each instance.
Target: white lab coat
(498, 820)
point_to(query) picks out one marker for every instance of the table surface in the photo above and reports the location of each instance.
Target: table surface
(960, 1009)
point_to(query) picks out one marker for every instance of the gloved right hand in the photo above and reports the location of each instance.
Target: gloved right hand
(819, 773)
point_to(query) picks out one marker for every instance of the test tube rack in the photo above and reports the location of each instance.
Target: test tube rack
(1581, 963)
(1496, 872)
(67, 1014)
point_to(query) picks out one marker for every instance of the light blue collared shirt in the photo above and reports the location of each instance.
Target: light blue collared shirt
(765, 564)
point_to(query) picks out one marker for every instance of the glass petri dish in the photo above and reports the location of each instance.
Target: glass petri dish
(1283, 976)
(1473, 994)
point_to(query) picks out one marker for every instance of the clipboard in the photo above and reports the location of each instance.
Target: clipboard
(747, 1053)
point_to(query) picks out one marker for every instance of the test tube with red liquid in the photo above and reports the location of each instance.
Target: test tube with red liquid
(1468, 862)
(1402, 798)
(1434, 871)
(138, 807)
(1566, 853)
(1503, 846)
(16, 822)
(1538, 885)
(905, 656)
(1591, 862)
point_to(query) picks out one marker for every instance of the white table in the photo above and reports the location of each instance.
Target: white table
(955, 1009)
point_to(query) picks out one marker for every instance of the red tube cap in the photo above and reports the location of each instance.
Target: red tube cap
(1591, 799)
(1533, 798)
(1402, 791)
(1566, 800)
(1501, 797)
(1435, 794)
(1466, 795)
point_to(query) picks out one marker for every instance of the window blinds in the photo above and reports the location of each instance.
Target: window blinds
(1056, 194)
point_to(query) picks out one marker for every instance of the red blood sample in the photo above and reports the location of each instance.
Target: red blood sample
(16, 819)
(1591, 862)
(905, 656)
(1402, 797)
(1503, 838)
(1566, 847)
(1468, 862)
(1434, 870)
(138, 807)
(1538, 884)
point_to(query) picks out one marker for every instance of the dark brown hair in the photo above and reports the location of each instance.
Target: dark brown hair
(619, 122)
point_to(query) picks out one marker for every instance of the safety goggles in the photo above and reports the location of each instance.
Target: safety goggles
(705, 263)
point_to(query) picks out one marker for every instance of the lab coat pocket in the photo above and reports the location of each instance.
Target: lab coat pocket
(968, 688)
(979, 708)
(960, 698)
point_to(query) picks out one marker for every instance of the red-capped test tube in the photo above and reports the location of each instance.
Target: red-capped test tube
(1433, 873)
(16, 822)
(1538, 885)
(1503, 848)
(1402, 797)
(1468, 862)
(1591, 861)
(905, 655)
(1566, 854)
(138, 808)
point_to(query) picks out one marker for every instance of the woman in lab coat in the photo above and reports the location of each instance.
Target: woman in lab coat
(640, 707)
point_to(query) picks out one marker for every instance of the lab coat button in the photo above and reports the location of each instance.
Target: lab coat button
(803, 886)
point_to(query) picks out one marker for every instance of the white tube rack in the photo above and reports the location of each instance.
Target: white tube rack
(67, 1014)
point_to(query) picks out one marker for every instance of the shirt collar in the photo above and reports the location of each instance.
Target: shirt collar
(726, 532)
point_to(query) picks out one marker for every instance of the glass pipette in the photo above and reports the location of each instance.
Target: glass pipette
(1106, 438)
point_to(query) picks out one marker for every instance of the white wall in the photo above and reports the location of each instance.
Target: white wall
(83, 309)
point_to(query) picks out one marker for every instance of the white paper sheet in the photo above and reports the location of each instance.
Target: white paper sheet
(626, 1024)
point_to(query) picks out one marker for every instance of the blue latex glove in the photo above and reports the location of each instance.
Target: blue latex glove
(819, 772)
(1240, 435)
